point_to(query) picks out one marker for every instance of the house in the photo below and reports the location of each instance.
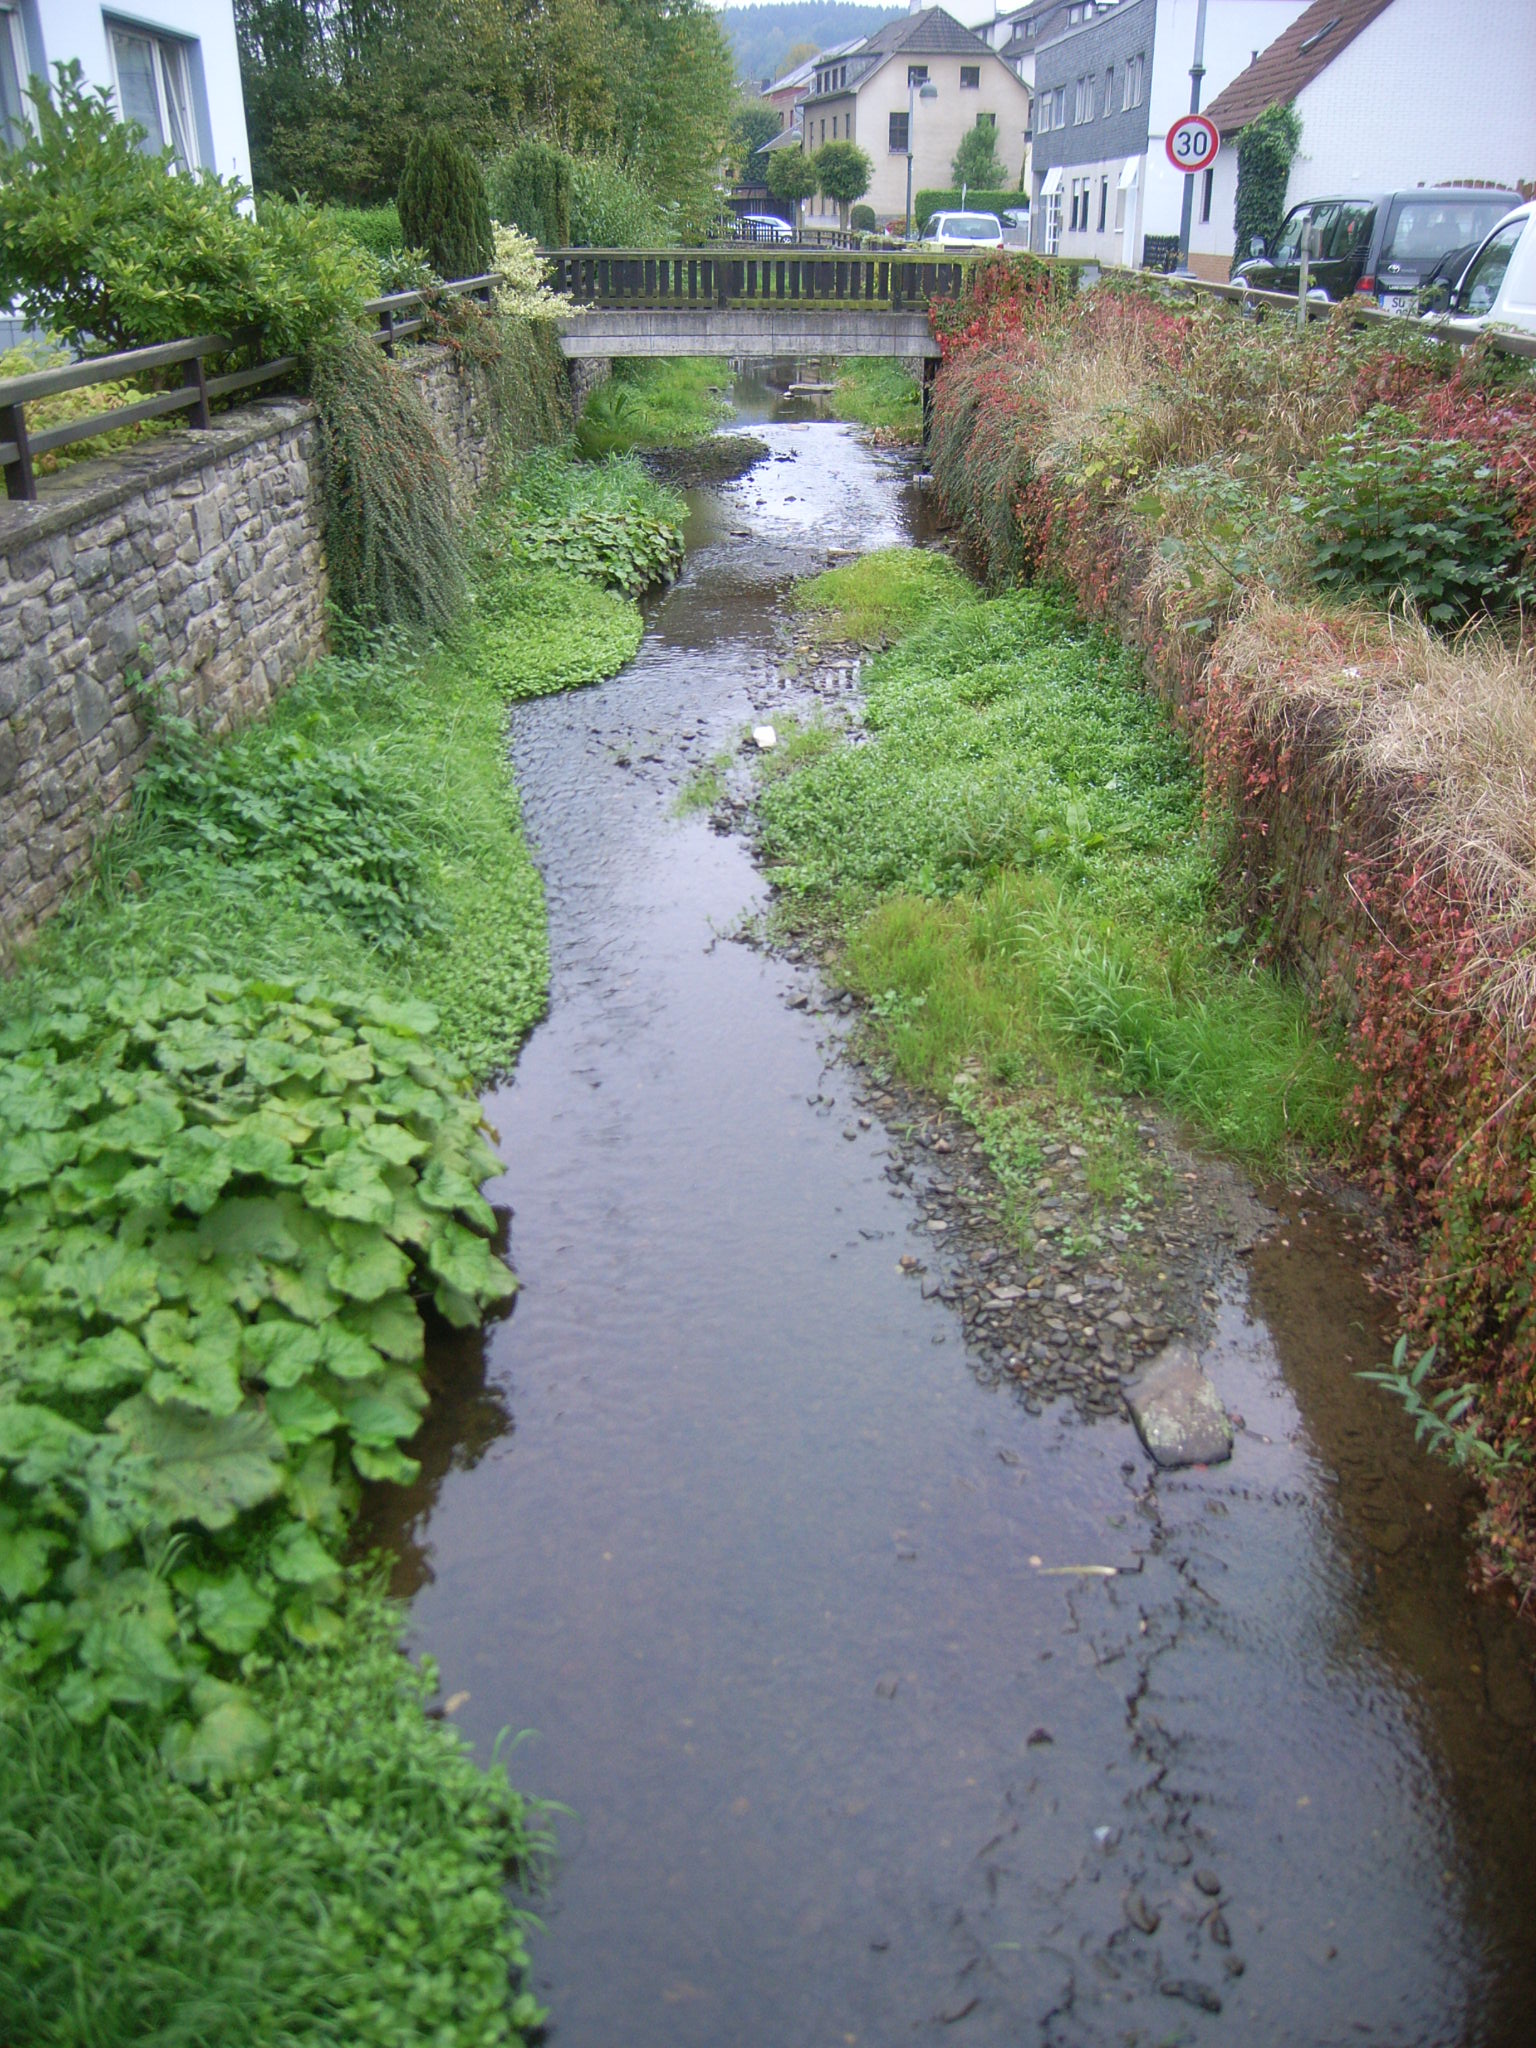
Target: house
(1018, 36)
(869, 95)
(171, 65)
(785, 94)
(1106, 93)
(1391, 93)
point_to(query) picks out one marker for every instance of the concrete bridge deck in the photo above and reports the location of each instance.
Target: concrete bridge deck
(739, 331)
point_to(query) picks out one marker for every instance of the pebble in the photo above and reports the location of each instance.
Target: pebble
(1208, 1882)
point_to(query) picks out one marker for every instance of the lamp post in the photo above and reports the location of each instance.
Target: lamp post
(915, 92)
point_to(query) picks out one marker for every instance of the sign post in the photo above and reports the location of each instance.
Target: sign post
(1196, 75)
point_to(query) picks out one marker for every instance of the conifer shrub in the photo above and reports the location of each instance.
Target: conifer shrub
(444, 208)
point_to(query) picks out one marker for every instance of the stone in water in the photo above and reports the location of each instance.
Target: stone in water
(1177, 1411)
(765, 737)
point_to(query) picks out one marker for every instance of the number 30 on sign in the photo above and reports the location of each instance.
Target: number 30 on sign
(1192, 143)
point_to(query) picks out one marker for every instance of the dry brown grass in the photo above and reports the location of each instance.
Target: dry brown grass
(1440, 735)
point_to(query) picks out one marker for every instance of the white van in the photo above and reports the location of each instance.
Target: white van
(1498, 287)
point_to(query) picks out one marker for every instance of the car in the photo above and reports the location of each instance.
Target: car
(961, 231)
(762, 227)
(1383, 245)
(1498, 286)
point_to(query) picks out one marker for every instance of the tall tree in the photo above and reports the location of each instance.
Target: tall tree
(791, 175)
(843, 173)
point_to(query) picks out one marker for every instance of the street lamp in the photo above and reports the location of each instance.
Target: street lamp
(914, 92)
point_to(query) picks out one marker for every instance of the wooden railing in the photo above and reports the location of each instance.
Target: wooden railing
(397, 318)
(753, 275)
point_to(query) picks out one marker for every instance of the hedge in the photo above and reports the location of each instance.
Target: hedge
(929, 203)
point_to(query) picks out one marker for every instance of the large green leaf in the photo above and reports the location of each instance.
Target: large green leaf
(299, 1557)
(301, 1413)
(393, 1326)
(350, 1185)
(24, 1554)
(38, 1444)
(281, 1352)
(196, 1467)
(377, 1412)
(366, 1266)
(233, 1740)
(231, 1612)
(465, 1262)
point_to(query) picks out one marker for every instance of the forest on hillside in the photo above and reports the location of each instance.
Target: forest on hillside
(761, 36)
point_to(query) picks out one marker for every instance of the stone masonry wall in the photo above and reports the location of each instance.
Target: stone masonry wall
(195, 562)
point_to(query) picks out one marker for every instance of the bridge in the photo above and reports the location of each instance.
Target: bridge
(757, 301)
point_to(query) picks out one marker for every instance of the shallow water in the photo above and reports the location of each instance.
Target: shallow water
(719, 1512)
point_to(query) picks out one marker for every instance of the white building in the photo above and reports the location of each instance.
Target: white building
(171, 65)
(1391, 94)
(1107, 90)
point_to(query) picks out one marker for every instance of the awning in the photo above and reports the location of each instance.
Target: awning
(1129, 172)
(1050, 185)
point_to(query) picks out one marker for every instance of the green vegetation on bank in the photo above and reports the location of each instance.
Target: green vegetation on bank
(241, 1161)
(1016, 860)
(880, 393)
(662, 404)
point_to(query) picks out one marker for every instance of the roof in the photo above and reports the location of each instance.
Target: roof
(933, 33)
(804, 73)
(1292, 60)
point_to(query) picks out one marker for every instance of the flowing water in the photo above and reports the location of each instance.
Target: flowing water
(719, 1514)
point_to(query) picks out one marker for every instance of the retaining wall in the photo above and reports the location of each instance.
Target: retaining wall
(195, 562)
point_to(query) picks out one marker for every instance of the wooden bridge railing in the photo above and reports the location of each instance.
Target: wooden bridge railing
(636, 280)
(397, 318)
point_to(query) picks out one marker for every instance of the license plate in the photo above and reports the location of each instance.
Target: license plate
(1399, 302)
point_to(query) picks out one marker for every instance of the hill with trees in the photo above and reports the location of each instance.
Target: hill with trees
(761, 36)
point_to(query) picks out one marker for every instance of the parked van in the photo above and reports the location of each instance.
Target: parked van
(1498, 286)
(1382, 244)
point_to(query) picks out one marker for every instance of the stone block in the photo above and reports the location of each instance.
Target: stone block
(93, 707)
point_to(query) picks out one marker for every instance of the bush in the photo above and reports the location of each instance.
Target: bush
(608, 521)
(389, 540)
(862, 220)
(108, 248)
(443, 206)
(374, 228)
(612, 210)
(976, 161)
(946, 199)
(1390, 511)
(530, 187)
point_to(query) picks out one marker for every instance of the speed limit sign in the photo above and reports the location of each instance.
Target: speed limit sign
(1192, 143)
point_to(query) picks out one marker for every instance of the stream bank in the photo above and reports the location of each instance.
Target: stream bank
(853, 1748)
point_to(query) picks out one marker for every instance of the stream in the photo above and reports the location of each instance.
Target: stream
(720, 1515)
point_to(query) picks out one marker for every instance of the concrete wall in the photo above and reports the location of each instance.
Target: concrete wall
(56, 30)
(196, 561)
(937, 125)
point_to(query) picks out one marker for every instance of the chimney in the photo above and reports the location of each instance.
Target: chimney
(914, 6)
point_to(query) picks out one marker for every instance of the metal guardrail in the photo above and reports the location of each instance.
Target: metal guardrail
(1504, 341)
(641, 280)
(398, 317)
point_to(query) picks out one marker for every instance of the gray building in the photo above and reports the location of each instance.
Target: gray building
(1092, 110)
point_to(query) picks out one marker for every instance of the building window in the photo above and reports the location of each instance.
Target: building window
(1135, 74)
(1109, 90)
(898, 142)
(834, 127)
(1082, 100)
(917, 74)
(1059, 107)
(823, 127)
(987, 121)
(1206, 185)
(1043, 114)
(14, 117)
(154, 88)
(970, 78)
(1103, 203)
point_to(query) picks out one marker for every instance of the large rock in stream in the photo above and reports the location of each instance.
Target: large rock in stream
(1177, 1412)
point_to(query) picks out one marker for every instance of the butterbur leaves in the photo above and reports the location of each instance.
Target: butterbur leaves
(224, 1204)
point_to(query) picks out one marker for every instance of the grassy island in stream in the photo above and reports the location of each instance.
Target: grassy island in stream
(1015, 861)
(240, 1158)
